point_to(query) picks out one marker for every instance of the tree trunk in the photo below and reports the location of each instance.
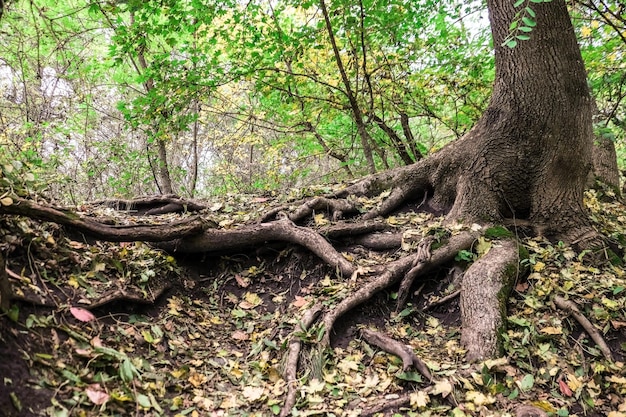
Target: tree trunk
(529, 154)
(527, 157)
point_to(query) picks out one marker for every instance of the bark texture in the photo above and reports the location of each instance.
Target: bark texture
(484, 293)
(605, 167)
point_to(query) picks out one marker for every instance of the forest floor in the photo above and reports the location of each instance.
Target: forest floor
(121, 329)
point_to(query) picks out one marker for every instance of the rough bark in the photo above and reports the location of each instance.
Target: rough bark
(605, 167)
(484, 293)
(112, 233)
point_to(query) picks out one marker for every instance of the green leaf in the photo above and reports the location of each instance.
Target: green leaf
(525, 29)
(13, 313)
(143, 400)
(518, 3)
(529, 22)
(527, 382)
(511, 43)
(409, 376)
(523, 37)
(530, 12)
(127, 371)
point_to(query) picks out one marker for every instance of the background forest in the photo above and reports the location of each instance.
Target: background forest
(102, 99)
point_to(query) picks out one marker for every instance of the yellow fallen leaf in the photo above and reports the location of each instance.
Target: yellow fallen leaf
(573, 382)
(250, 300)
(178, 373)
(552, 330)
(539, 266)
(320, 220)
(315, 385)
(617, 379)
(196, 379)
(479, 398)
(443, 387)
(419, 399)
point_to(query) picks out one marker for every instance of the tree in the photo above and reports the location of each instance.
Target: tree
(524, 163)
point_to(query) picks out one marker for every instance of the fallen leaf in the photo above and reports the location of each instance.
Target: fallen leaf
(96, 395)
(552, 330)
(419, 399)
(250, 300)
(564, 388)
(618, 324)
(241, 281)
(299, 301)
(240, 335)
(82, 314)
(479, 398)
(443, 387)
(252, 393)
(96, 341)
(196, 379)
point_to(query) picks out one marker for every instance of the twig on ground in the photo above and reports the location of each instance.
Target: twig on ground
(442, 300)
(572, 308)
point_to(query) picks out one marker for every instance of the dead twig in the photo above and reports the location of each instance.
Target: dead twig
(572, 308)
(442, 300)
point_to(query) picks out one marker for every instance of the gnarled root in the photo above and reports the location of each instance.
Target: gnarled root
(484, 292)
(392, 273)
(404, 352)
(291, 365)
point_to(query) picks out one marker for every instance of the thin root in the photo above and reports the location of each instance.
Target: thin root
(572, 308)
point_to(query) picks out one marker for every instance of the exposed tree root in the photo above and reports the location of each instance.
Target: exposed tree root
(112, 233)
(595, 335)
(422, 256)
(131, 297)
(404, 352)
(291, 364)
(336, 207)
(246, 236)
(187, 236)
(384, 403)
(378, 241)
(392, 273)
(484, 293)
(347, 229)
(153, 205)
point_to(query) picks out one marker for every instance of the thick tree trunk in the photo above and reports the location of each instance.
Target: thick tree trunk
(529, 154)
